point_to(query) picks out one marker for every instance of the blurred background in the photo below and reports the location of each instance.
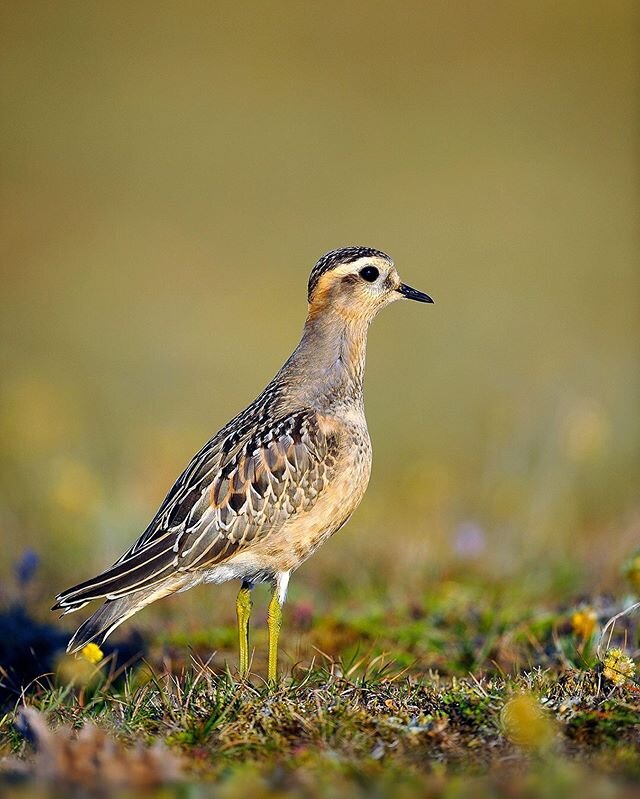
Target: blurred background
(171, 172)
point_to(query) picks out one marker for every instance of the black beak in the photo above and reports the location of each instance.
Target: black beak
(413, 294)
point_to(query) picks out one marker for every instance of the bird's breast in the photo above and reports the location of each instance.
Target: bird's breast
(306, 531)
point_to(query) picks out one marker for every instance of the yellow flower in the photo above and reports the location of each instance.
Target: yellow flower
(584, 622)
(618, 667)
(92, 653)
(525, 723)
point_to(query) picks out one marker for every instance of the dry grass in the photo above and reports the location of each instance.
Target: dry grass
(515, 704)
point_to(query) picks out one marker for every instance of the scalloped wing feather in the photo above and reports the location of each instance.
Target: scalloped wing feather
(237, 489)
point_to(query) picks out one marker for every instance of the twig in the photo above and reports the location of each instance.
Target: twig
(611, 624)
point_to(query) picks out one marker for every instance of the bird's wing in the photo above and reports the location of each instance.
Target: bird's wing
(239, 488)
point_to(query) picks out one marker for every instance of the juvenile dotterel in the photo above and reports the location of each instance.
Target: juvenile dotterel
(278, 480)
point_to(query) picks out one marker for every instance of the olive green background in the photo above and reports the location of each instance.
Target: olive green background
(171, 172)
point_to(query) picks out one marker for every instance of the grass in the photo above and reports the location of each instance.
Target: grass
(471, 691)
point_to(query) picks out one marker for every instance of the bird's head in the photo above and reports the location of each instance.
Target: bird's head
(355, 283)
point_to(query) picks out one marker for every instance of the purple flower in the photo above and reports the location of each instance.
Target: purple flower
(26, 567)
(470, 540)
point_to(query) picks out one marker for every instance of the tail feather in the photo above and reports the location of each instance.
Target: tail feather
(142, 570)
(102, 623)
(99, 626)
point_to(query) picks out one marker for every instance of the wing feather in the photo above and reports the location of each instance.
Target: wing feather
(240, 487)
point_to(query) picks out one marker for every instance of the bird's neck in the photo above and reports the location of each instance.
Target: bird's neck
(326, 369)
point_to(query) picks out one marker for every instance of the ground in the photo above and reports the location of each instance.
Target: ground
(468, 690)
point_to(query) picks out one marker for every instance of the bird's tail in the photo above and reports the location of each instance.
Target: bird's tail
(113, 612)
(103, 622)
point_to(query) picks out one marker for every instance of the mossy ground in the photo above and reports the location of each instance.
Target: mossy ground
(468, 692)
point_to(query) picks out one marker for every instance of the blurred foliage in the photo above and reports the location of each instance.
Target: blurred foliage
(170, 176)
(32, 650)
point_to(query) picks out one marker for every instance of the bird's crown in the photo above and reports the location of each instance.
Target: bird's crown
(343, 255)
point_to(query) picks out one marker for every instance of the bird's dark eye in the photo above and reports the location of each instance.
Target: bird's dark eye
(369, 273)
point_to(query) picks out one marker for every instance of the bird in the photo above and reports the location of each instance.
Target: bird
(275, 482)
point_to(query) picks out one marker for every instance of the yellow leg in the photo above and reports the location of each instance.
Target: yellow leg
(275, 623)
(243, 609)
